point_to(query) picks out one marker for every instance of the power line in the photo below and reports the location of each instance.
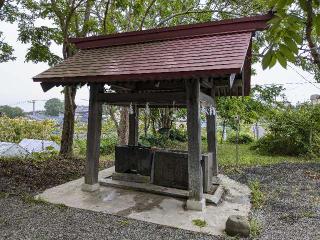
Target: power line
(306, 80)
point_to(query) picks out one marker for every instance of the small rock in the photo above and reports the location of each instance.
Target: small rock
(238, 225)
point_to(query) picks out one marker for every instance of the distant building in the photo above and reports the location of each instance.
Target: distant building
(36, 145)
(315, 99)
(8, 149)
(42, 117)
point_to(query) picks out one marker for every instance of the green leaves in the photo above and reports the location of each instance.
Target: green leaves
(283, 55)
(267, 59)
(316, 23)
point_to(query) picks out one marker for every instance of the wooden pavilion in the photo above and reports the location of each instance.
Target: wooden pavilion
(187, 66)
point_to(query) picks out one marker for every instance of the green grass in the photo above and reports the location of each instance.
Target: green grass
(257, 196)
(255, 228)
(248, 157)
(199, 223)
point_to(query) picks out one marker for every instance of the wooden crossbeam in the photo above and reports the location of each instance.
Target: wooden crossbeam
(142, 98)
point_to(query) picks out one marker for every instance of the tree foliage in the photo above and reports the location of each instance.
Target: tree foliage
(53, 107)
(11, 112)
(14, 130)
(294, 35)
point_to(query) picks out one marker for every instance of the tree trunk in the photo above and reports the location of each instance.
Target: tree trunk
(123, 130)
(223, 129)
(68, 121)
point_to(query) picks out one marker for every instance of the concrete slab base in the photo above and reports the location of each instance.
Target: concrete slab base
(196, 205)
(90, 188)
(153, 208)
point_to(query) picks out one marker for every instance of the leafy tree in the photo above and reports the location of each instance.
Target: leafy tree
(8, 13)
(69, 18)
(53, 107)
(294, 35)
(11, 112)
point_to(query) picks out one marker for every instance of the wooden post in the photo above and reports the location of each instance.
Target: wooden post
(212, 137)
(93, 140)
(196, 200)
(134, 126)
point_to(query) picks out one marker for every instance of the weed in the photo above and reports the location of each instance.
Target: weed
(27, 198)
(257, 196)
(308, 214)
(61, 206)
(4, 195)
(123, 222)
(200, 223)
(255, 228)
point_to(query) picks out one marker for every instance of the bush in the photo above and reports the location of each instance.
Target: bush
(107, 145)
(244, 138)
(293, 131)
(14, 130)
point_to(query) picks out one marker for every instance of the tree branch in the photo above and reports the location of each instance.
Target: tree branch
(105, 16)
(146, 14)
(312, 45)
(189, 12)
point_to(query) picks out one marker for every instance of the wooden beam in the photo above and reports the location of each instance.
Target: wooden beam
(206, 98)
(93, 136)
(194, 140)
(141, 98)
(212, 137)
(134, 126)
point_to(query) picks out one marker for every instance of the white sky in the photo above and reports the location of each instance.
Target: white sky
(16, 85)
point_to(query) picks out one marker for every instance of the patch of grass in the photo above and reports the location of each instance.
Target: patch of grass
(123, 222)
(309, 214)
(27, 198)
(4, 195)
(257, 196)
(61, 206)
(199, 223)
(255, 228)
(248, 157)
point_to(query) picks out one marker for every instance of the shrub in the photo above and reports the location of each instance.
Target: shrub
(14, 130)
(107, 145)
(293, 131)
(244, 138)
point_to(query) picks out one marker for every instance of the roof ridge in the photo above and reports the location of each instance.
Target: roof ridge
(245, 24)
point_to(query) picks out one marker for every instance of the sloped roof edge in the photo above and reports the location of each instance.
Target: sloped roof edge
(245, 24)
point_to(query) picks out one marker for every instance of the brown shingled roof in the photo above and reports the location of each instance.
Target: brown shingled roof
(199, 50)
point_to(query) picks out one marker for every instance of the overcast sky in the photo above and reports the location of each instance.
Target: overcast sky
(17, 86)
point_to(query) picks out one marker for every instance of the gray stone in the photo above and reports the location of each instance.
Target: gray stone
(133, 159)
(238, 225)
(171, 169)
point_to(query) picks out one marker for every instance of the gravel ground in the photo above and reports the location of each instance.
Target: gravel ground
(20, 220)
(291, 211)
(292, 205)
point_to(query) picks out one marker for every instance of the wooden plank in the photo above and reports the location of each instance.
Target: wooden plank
(134, 126)
(93, 136)
(194, 140)
(142, 98)
(212, 137)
